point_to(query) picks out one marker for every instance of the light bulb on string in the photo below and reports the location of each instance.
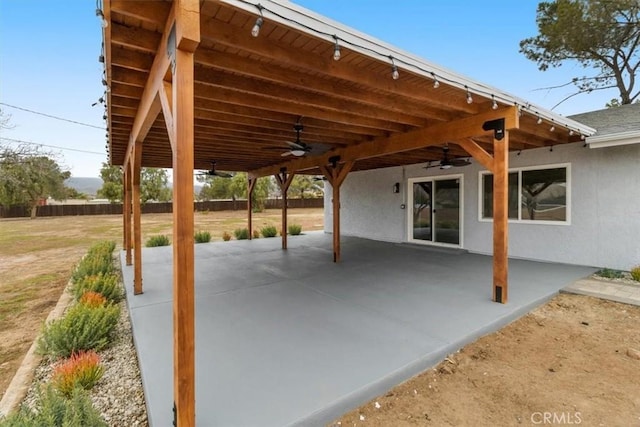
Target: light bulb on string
(469, 97)
(395, 74)
(494, 104)
(539, 121)
(103, 20)
(255, 31)
(436, 83)
(336, 50)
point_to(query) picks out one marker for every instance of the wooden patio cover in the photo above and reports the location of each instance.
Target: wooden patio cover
(190, 82)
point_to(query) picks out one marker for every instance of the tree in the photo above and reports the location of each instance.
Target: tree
(236, 188)
(28, 179)
(302, 185)
(112, 183)
(27, 174)
(598, 34)
(154, 185)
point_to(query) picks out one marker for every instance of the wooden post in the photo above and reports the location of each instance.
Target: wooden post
(251, 184)
(187, 27)
(336, 175)
(126, 213)
(284, 181)
(500, 218)
(137, 221)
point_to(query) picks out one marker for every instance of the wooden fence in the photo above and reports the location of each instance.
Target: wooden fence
(116, 208)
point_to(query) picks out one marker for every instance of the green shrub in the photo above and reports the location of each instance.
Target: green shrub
(108, 285)
(202, 237)
(226, 236)
(155, 241)
(52, 409)
(295, 229)
(104, 248)
(91, 265)
(241, 233)
(80, 370)
(81, 328)
(256, 234)
(269, 231)
(635, 273)
(610, 273)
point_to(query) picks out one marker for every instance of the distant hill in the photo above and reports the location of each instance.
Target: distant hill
(86, 185)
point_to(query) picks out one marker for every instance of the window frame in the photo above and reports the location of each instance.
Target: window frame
(519, 171)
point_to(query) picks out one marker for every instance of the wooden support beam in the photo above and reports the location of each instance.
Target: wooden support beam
(500, 218)
(136, 170)
(187, 30)
(149, 106)
(284, 181)
(477, 152)
(165, 95)
(126, 213)
(336, 174)
(401, 142)
(251, 184)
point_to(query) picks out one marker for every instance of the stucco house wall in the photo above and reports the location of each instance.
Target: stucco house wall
(604, 227)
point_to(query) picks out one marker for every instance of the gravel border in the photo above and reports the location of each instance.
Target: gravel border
(118, 396)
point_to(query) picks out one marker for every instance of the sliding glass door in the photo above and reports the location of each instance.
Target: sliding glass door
(435, 210)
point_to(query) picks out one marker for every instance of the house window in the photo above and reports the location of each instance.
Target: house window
(539, 195)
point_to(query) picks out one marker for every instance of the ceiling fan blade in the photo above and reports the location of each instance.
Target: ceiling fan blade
(223, 174)
(460, 162)
(286, 153)
(296, 145)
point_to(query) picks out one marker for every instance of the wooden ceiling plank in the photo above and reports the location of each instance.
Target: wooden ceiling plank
(281, 52)
(284, 106)
(152, 12)
(134, 38)
(298, 81)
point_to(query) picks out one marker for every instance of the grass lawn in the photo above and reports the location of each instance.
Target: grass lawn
(37, 257)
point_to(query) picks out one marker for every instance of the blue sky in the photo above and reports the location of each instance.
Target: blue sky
(49, 60)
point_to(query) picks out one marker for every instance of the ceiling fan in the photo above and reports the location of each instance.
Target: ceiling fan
(446, 162)
(297, 148)
(214, 172)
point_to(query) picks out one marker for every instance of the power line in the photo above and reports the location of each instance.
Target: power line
(20, 141)
(52, 117)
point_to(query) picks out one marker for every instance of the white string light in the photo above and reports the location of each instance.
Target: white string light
(494, 104)
(103, 20)
(539, 121)
(395, 74)
(436, 83)
(469, 97)
(336, 50)
(255, 31)
(553, 127)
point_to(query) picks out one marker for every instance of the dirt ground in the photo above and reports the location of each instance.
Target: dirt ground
(37, 257)
(566, 363)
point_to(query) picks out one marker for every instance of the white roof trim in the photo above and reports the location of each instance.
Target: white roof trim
(319, 26)
(614, 139)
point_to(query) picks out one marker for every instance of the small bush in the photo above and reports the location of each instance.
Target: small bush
(269, 231)
(202, 237)
(52, 409)
(256, 234)
(81, 328)
(155, 241)
(241, 233)
(295, 229)
(635, 273)
(104, 248)
(226, 236)
(80, 370)
(107, 285)
(610, 273)
(91, 265)
(92, 299)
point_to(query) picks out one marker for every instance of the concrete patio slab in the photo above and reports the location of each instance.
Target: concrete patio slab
(288, 338)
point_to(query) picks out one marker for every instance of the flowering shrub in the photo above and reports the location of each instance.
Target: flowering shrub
(92, 299)
(82, 370)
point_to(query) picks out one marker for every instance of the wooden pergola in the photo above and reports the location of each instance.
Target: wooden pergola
(190, 82)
